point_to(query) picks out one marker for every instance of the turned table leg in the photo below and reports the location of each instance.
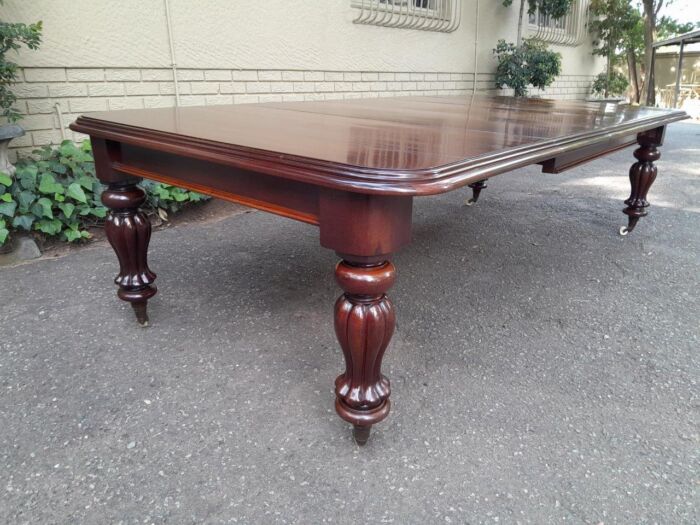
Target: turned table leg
(642, 175)
(364, 324)
(476, 190)
(129, 231)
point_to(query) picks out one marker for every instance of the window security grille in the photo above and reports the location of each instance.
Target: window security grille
(426, 15)
(567, 30)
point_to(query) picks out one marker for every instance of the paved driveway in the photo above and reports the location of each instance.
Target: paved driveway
(544, 369)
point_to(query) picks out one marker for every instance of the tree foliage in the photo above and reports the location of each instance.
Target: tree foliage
(553, 8)
(12, 37)
(612, 23)
(621, 34)
(667, 27)
(530, 63)
(613, 84)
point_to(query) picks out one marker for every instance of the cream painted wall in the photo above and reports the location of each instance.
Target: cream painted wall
(232, 34)
(274, 34)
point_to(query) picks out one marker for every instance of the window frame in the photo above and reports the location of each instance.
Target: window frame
(571, 31)
(439, 15)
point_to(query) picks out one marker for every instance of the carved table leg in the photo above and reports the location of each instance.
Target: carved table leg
(642, 175)
(476, 190)
(129, 231)
(364, 324)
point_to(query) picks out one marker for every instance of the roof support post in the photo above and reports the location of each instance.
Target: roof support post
(679, 71)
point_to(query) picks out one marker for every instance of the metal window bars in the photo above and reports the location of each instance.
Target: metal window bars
(425, 15)
(566, 31)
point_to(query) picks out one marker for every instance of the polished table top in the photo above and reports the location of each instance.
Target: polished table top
(415, 145)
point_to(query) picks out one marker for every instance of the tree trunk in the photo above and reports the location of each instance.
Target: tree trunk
(632, 73)
(608, 72)
(520, 22)
(651, 8)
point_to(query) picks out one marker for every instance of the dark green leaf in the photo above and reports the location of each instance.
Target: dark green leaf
(86, 182)
(67, 208)
(52, 227)
(23, 222)
(99, 211)
(59, 168)
(72, 235)
(67, 148)
(27, 177)
(76, 192)
(48, 184)
(25, 200)
(42, 208)
(8, 208)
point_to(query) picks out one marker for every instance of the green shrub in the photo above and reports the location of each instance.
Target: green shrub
(617, 86)
(58, 195)
(12, 37)
(165, 199)
(530, 63)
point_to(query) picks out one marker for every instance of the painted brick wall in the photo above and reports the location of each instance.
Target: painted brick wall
(76, 91)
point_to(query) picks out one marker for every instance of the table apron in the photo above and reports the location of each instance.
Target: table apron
(288, 198)
(571, 159)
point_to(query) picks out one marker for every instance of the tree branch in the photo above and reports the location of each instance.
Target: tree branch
(658, 7)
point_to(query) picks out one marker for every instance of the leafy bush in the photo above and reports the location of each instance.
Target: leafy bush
(58, 195)
(166, 199)
(530, 63)
(617, 86)
(12, 36)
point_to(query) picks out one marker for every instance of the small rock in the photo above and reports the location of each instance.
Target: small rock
(131, 444)
(26, 249)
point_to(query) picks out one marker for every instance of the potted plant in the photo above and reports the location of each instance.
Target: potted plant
(12, 37)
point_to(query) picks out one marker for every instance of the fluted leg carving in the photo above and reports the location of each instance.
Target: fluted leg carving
(642, 176)
(129, 231)
(476, 191)
(364, 324)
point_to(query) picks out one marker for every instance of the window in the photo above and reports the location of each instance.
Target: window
(426, 15)
(567, 30)
(537, 19)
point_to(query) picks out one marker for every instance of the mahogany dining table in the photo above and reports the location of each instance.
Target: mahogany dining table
(352, 168)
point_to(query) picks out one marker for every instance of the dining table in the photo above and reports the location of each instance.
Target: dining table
(352, 168)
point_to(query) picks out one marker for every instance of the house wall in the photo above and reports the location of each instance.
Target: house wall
(114, 55)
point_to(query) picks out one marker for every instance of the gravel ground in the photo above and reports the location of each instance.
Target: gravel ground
(544, 369)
